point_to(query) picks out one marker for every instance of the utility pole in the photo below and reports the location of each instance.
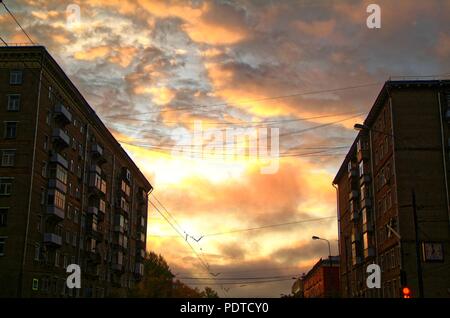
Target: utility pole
(417, 242)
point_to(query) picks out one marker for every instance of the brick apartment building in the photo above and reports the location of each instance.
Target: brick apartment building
(322, 280)
(402, 148)
(68, 192)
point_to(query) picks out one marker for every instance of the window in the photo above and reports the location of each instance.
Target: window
(74, 241)
(125, 188)
(102, 206)
(3, 216)
(81, 128)
(45, 142)
(78, 171)
(15, 77)
(50, 93)
(13, 103)
(76, 215)
(70, 189)
(74, 143)
(77, 193)
(5, 186)
(10, 129)
(57, 198)
(65, 258)
(8, 158)
(37, 251)
(366, 240)
(2, 245)
(80, 150)
(48, 118)
(59, 173)
(68, 238)
(361, 168)
(56, 258)
(44, 169)
(363, 192)
(38, 224)
(43, 196)
(69, 211)
(71, 166)
(124, 205)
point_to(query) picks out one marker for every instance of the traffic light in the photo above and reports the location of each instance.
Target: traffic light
(406, 292)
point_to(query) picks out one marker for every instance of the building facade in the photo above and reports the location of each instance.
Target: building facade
(393, 194)
(322, 281)
(69, 194)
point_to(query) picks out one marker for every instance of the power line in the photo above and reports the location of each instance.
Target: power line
(259, 227)
(173, 218)
(17, 22)
(246, 271)
(205, 265)
(267, 226)
(241, 283)
(3, 41)
(249, 100)
(265, 122)
(237, 278)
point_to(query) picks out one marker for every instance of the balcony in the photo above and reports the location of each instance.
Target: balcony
(57, 158)
(355, 237)
(117, 267)
(368, 226)
(60, 138)
(119, 228)
(52, 239)
(365, 179)
(97, 184)
(354, 216)
(139, 269)
(96, 169)
(363, 154)
(353, 173)
(63, 114)
(94, 230)
(353, 195)
(95, 258)
(93, 210)
(54, 183)
(356, 260)
(369, 252)
(55, 212)
(97, 152)
(366, 203)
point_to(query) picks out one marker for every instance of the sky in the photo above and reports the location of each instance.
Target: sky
(306, 71)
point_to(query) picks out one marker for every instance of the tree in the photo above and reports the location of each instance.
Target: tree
(158, 282)
(209, 293)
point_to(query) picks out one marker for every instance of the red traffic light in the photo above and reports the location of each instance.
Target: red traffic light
(406, 292)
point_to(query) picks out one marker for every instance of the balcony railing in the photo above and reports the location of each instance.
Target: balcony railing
(93, 210)
(364, 179)
(63, 113)
(97, 150)
(55, 212)
(52, 239)
(139, 269)
(60, 137)
(54, 183)
(57, 158)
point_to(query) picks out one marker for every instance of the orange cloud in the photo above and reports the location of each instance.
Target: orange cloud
(92, 53)
(316, 28)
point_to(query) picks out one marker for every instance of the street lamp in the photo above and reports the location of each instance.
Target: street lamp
(329, 246)
(360, 127)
